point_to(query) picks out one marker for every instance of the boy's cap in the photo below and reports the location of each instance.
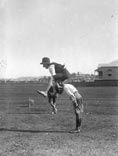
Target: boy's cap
(45, 60)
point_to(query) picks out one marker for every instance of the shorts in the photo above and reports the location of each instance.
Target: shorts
(52, 95)
(62, 76)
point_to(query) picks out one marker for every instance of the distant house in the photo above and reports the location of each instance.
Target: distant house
(107, 71)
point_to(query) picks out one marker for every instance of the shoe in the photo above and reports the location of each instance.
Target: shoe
(75, 131)
(42, 93)
(54, 111)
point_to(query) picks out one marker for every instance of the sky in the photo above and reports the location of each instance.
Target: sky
(78, 33)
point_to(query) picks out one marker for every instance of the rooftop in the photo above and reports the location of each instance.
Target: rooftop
(111, 64)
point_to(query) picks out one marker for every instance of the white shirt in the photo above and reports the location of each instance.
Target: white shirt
(69, 89)
(52, 70)
(72, 92)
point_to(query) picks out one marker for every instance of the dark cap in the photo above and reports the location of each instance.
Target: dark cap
(45, 60)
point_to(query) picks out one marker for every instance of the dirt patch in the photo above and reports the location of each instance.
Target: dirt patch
(34, 131)
(47, 135)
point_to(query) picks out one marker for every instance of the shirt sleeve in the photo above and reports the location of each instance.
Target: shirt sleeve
(52, 70)
(68, 91)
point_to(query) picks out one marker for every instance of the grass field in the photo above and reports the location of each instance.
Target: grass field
(35, 131)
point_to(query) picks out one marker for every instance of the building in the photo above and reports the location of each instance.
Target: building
(107, 71)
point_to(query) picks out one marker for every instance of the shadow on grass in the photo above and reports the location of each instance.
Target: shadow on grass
(33, 131)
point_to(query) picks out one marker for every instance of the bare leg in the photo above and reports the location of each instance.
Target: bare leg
(53, 105)
(52, 95)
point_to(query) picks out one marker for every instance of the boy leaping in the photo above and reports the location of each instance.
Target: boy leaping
(58, 74)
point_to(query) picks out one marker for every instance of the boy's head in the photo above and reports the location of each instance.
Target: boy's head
(45, 62)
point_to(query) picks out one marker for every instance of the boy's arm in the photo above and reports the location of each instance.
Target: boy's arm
(52, 72)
